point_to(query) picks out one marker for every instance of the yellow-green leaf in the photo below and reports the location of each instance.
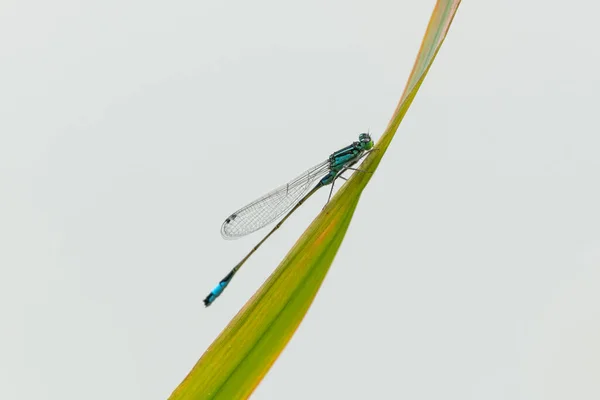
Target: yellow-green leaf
(240, 357)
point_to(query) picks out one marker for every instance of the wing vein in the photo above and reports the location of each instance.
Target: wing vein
(272, 205)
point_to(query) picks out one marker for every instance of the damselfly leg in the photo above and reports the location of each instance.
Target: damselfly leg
(339, 175)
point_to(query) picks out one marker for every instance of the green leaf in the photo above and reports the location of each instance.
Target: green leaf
(239, 358)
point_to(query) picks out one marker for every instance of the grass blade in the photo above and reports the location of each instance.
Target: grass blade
(239, 358)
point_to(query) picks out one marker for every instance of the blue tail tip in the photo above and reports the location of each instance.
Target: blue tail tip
(209, 300)
(216, 292)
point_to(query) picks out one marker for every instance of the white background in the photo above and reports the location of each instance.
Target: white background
(130, 129)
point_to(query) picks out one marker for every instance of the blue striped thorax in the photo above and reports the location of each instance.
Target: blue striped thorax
(347, 156)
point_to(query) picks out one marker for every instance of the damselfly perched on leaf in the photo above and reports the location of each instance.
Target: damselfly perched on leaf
(287, 198)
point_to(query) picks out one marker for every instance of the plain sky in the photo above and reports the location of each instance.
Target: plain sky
(130, 129)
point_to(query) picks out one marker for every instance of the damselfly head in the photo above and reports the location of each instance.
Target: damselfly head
(365, 141)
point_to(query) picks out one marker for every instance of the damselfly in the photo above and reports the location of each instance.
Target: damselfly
(287, 198)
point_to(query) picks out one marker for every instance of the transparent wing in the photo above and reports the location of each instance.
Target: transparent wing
(272, 205)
